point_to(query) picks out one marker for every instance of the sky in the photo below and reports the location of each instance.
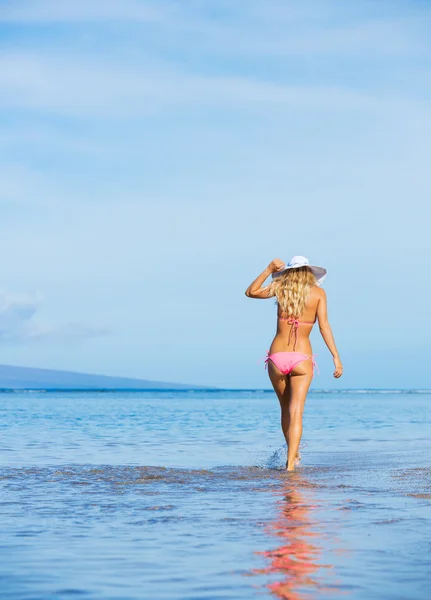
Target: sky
(156, 156)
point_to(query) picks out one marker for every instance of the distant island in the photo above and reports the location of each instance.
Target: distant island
(24, 378)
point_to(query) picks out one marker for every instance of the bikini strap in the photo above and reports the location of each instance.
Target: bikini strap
(265, 359)
(294, 324)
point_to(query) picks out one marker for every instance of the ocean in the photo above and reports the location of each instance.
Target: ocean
(183, 496)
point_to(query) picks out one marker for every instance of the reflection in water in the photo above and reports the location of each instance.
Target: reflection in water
(298, 559)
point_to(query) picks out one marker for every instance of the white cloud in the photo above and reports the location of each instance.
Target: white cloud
(375, 39)
(52, 11)
(272, 28)
(78, 87)
(19, 324)
(128, 75)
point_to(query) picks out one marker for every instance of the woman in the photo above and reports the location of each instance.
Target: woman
(290, 361)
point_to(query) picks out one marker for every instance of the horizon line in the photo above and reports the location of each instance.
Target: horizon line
(215, 390)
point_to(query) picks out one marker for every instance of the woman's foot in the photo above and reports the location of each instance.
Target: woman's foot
(296, 462)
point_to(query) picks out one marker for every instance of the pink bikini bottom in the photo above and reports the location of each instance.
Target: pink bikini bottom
(287, 361)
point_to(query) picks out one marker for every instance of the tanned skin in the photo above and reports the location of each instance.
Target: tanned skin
(292, 389)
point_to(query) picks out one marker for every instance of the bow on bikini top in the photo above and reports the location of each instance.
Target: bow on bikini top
(294, 325)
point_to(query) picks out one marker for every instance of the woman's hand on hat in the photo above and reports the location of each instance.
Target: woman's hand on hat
(338, 367)
(276, 265)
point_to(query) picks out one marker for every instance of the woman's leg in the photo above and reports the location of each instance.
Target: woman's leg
(300, 380)
(282, 389)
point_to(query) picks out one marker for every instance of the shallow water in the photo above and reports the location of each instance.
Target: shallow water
(183, 496)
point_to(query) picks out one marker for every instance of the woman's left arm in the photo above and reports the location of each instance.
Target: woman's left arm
(255, 289)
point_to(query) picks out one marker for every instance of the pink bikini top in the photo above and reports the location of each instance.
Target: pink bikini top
(294, 325)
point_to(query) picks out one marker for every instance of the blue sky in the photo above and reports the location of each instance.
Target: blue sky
(157, 155)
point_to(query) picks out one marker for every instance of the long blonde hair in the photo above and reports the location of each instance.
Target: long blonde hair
(292, 289)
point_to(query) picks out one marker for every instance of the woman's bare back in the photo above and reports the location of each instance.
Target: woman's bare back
(296, 337)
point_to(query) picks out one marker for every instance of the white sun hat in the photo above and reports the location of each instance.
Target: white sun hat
(301, 261)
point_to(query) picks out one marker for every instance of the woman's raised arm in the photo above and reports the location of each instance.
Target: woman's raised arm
(255, 289)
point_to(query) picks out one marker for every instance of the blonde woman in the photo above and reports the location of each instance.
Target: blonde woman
(290, 360)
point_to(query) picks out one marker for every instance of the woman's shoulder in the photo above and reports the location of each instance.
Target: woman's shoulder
(318, 292)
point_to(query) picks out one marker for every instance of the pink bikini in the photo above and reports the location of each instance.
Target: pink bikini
(287, 361)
